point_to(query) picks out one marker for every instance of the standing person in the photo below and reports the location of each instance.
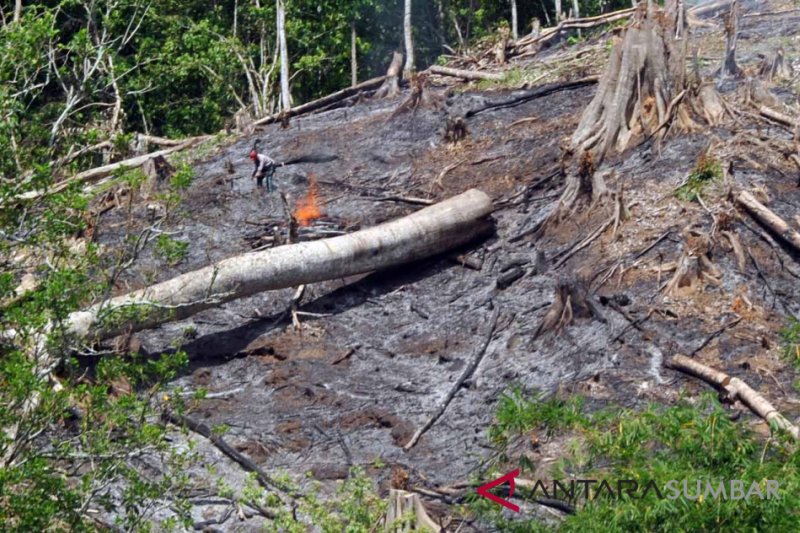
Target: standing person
(264, 168)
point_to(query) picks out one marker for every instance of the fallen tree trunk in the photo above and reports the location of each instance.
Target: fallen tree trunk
(736, 389)
(101, 172)
(427, 232)
(471, 75)
(761, 213)
(779, 117)
(319, 103)
(578, 23)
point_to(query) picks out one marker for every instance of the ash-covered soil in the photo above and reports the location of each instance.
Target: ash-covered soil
(376, 354)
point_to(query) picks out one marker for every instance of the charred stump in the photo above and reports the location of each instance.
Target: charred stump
(729, 66)
(391, 86)
(571, 300)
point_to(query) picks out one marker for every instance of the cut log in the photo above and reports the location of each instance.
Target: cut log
(427, 232)
(736, 389)
(761, 213)
(319, 103)
(391, 84)
(471, 75)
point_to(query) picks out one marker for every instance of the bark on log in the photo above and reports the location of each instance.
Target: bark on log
(761, 213)
(471, 75)
(736, 389)
(315, 105)
(427, 232)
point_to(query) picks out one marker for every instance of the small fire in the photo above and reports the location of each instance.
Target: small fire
(307, 209)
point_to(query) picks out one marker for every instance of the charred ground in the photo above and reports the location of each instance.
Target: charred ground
(370, 363)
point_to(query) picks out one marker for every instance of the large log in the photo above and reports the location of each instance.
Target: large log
(319, 103)
(429, 231)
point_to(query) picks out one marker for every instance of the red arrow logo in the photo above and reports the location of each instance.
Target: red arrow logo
(483, 490)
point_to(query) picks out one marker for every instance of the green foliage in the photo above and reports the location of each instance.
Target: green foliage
(182, 177)
(516, 414)
(791, 341)
(685, 441)
(355, 508)
(172, 251)
(707, 169)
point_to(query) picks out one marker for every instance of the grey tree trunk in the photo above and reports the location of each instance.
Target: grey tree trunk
(429, 231)
(558, 11)
(353, 58)
(514, 20)
(17, 10)
(286, 98)
(409, 40)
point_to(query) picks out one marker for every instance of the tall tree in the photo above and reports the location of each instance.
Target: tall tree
(286, 99)
(353, 52)
(514, 21)
(407, 30)
(17, 10)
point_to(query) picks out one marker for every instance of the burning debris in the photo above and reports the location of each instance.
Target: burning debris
(307, 209)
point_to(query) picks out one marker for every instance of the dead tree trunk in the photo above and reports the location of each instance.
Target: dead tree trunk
(778, 68)
(286, 99)
(729, 66)
(353, 58)
(17, 10)
(645, 72)
(514, 21)
(558, 11)
(391, 85)
(408, 38)
(427, 232)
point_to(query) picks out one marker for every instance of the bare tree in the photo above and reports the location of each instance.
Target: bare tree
(17, 10)
(514, 21)
(558, 11)
(286, 99)
(407, 30)
(353, 58)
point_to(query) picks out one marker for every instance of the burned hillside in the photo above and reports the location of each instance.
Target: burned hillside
(637, 214)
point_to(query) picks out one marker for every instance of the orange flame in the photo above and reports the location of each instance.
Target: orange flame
(307, 209)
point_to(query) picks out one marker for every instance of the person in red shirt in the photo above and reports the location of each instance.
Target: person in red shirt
(264, 168)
